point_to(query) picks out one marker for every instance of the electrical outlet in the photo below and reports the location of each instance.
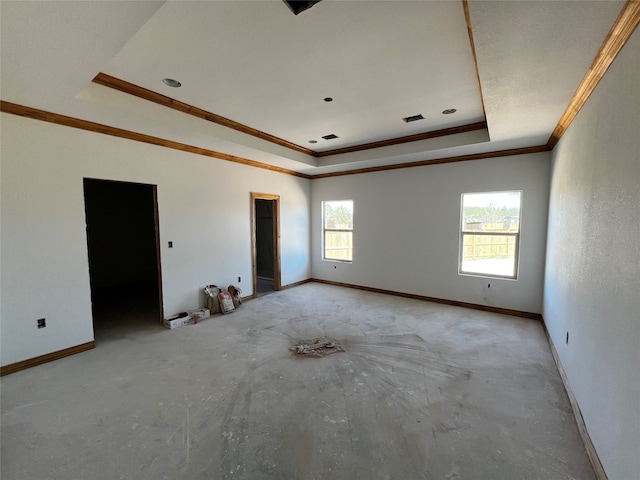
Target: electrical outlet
(41, 322)
(239, 279)
(170, 244)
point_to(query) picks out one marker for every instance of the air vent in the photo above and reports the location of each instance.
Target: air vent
(413, 118)
(298, 6)
(329, 137)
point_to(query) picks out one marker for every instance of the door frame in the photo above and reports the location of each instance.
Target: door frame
(276, 240)
(156, 221)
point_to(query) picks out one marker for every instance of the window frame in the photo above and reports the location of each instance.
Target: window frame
(515, 235)
(338, 230)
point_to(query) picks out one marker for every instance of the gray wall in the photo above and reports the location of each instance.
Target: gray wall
(407, 229)
(204, 207)
(592, 281)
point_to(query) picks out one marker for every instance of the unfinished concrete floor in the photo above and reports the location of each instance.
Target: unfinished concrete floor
(423, 391)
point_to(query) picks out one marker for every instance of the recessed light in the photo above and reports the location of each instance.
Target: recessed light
(313, 141)
(449, 111)
(330, 136)
(328, 99)
(171, 82)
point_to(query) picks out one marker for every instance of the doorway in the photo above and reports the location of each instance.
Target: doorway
(124, 256)
(265, 243)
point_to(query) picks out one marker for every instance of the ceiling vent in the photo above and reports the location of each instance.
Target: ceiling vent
(298, 6)
(413, 118)
(329, 137)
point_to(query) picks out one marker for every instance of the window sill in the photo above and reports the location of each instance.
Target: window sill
(486, 275)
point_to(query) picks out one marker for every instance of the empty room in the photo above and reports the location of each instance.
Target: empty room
(320, 240)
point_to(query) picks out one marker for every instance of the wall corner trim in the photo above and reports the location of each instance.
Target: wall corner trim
(582, 427)
(49, 357)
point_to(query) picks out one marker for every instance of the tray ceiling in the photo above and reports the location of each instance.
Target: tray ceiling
(263, 68)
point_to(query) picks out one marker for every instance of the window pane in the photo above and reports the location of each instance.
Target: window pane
(338, 215)
(338, 230)
(338, 246)
(491, 212)
(489, 254)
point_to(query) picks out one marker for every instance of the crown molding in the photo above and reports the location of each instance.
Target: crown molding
(406, 139)
(620, 32)
(58, 119)
(151, 96)
(439, 161)
(165, 101)
(472, 44)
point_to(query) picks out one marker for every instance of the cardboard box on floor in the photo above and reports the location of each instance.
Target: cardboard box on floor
(199, 314)
(178, 320)
(185, 318)
(194, 316)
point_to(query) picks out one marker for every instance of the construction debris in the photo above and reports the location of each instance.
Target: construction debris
(317, 347)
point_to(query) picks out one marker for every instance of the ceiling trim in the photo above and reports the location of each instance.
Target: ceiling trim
(467, 17)
(409, 138)
(58, 119)
(37, 114)
(146, 94)
(620, 32)
(439, 161)
(151, 96)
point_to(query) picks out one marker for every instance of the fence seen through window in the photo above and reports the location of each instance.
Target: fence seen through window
(337, 220)
(490, 234)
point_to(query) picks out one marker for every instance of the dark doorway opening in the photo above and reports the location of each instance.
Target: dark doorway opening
(124, 260)
(266, 243)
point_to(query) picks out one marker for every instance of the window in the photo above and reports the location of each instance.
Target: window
(337, 222)
(490, 234)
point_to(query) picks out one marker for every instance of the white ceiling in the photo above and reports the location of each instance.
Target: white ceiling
(259, 65)
(531, 58)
